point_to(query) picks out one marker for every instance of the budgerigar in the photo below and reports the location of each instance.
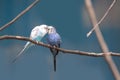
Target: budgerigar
(54, 40)
(37, 34)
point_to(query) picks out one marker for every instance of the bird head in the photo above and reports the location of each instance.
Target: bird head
(44, 29)
(51, 29)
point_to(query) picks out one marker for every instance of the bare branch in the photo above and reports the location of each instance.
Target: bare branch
(99, 22)
(93, 54)
(102, 43)
(19, 15)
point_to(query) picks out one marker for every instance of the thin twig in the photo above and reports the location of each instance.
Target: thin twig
(102, 43)
(19, 15)
(99, 22)
(93, 54)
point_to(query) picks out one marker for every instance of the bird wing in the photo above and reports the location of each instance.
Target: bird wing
(34, 33)
(54, 38)
(58, 38)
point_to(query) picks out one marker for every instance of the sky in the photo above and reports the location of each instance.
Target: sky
(71, 20)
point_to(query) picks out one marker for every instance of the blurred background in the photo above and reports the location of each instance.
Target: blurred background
(72, 22)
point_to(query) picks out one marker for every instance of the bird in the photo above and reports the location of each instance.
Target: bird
(37, 34)
(54, 40)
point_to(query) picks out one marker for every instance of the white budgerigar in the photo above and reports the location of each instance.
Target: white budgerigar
(37, 34)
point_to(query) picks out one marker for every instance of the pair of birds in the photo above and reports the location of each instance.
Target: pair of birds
(38, 33)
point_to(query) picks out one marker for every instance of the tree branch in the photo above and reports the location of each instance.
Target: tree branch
(93, 54)
(19, 15)
(101, 41)
(99, 22)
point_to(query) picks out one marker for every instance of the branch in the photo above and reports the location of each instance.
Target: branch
(60, 49)
(102, 43)
(19, 15)
(99, 22)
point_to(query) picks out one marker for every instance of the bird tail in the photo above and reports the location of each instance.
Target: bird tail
(54, 63)
(28, 44)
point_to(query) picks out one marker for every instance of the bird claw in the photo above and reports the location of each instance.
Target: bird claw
(54, 47)
(37, 42)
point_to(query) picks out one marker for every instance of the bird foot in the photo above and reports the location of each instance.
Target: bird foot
(37, 42)
(54, 47)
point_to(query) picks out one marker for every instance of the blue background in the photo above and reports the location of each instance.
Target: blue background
(72, 22)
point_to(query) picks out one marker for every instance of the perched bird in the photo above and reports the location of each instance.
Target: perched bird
(37, 34)
(54, 40)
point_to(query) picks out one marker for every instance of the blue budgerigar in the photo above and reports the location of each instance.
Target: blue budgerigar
(37, 34)
(54, 40)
